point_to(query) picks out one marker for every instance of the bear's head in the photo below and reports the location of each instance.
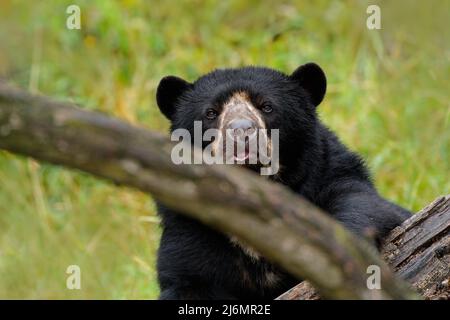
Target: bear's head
(240, 102)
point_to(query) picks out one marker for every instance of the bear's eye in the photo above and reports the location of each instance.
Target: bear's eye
(211, 114)
(266, 108)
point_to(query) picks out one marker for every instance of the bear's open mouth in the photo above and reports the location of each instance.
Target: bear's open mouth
(241, 151)
(250, 151)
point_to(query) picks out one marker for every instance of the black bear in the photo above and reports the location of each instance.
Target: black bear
(196, 262)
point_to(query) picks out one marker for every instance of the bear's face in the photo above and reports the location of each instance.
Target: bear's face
(240, 102)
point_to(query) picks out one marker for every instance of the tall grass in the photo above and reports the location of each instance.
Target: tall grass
(388, 98)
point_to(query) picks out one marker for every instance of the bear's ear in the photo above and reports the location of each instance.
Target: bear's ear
(170, 88)
(312, 78)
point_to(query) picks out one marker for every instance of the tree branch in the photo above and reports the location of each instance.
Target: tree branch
(267, 216)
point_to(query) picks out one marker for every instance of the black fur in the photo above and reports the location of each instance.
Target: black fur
(195, 262)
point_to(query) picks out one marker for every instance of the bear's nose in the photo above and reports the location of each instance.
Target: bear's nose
(240, 128)
(243, 124)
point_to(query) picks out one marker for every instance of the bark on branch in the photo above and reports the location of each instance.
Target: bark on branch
(270, 218)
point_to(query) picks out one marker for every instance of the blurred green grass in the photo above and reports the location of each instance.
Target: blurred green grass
(388, 98)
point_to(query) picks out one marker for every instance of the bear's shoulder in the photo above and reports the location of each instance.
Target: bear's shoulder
(341, 162)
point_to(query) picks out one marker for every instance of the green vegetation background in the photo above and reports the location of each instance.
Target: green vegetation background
(388, 98)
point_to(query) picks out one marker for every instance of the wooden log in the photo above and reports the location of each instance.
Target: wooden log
(418, 251)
